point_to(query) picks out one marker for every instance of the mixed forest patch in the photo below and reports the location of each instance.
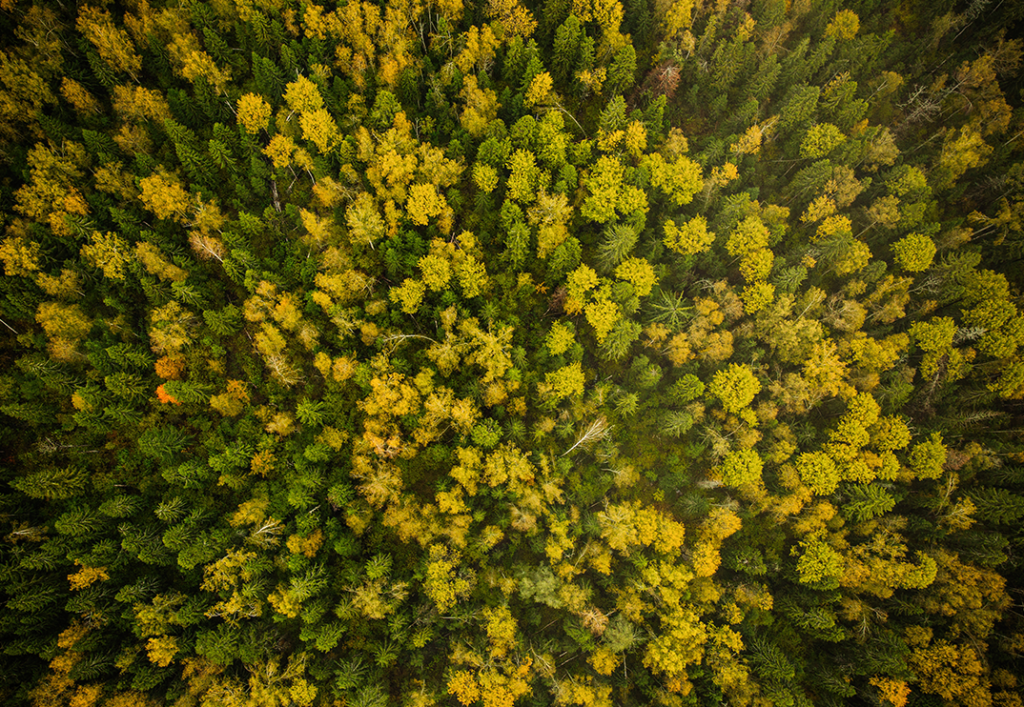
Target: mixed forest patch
(575, 352)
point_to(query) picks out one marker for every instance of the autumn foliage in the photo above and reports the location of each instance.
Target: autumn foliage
(604, 352)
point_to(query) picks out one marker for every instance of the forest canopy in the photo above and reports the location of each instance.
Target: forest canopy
(554, 352)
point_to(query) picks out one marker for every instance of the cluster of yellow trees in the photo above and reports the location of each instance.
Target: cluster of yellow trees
(576, 352)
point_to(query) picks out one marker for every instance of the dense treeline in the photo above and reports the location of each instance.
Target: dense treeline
(578, 352)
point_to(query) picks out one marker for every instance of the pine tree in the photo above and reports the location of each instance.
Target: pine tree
(996, 505)
(162, 443)
(53, 483)
(568, 38)
(80, 521)
(619, 341)
(868, 501)
(618, 242)
(188, 392)
(622, 71)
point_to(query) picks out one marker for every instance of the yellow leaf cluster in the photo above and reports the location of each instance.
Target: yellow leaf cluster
(165, 197)
(161, 650)
(639, 273)
(253, 113)
(306, 545)
(20, 256)
(108, 252)
(112, 43)
(87, 576)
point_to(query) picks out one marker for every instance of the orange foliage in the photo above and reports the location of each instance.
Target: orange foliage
(165, 397)
(170, 368)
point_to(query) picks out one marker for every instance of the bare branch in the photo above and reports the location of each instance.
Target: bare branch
(598, 429)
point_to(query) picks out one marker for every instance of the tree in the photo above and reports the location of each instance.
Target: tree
(524, 178)
(319, 128)
(621, 71)
(800, 106)
(951, 671)
(927, 458)
(560, 337)
(162, 443)
(691, 238)
(750, 235)
(639, 273)
(108, 252)
(253, 113)
(63, 321)
(53, 483)
(843, 26)
(566, 382)
(443, 584)
(514, 19)
(819, 565)
(550, 214)
(568, 40)
(680, 178)
(539, 92)
(20, 256)
(618, 341)
(935, 338)
(741, 467)
(112, 43)
(914, 253)
(967, 151)
(604, 186)
(735, 386)
(820, 140)
(818, 472)
(170, 328)
(302, 95)
(164, 197)
(604, 315)
(481, 107)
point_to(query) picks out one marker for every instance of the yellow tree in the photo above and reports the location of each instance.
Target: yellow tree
(680, 178)
(319, 128)
(511, 19)
(481, 107)
(607, 194)
(735, 386)
(914, 253)
(444, 583)
(165, 197)
(194, 64)
(843, 26)
(253, 113)
(691, 238)
(112, 43)
(965, 151)
(108, 252)
(20, 256)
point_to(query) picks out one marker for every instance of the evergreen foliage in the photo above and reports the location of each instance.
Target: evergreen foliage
(573, 353)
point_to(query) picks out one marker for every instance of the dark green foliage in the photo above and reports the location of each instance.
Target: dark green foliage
(770, 661)
(617, 345)
(162, 443)
(53, 483)
(867, 502)
(998, 505)
(188, 392)
(622, 71)
(618, 242)
(79, 521)
(386, 403)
